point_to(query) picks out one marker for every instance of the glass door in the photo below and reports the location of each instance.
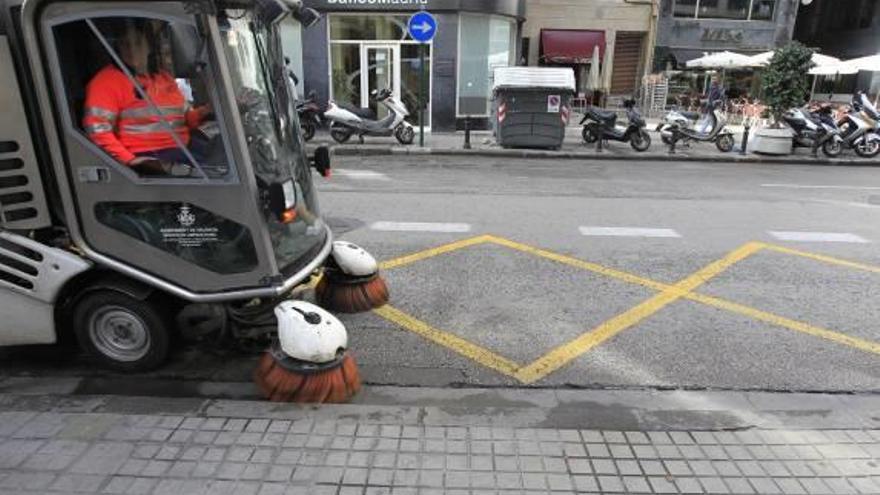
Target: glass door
(382, 71)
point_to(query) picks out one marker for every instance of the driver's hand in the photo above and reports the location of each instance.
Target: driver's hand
(146, 165)
(180, 170)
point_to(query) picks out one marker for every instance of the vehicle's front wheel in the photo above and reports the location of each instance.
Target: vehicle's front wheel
(832, 148)
(341, 134)
(308, 128)
(589, 134)
(725, 143)
(640, 141)
(121, 332)
(405, 135)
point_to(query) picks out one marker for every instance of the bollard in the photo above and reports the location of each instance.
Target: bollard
(601, 130)
(742, 150)
(672, 141)
(467, 133)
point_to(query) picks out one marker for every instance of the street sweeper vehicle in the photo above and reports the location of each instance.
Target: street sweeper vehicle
(154, 188)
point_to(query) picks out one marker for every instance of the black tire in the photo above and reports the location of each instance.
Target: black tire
(725, 143)
(832, 148)
(405, 135)
(867, 151)
(640, 141)
(140, 335)
(308, 129)
(589, 134)
(341, 134)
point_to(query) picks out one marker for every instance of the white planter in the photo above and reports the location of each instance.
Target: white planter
(769, 141)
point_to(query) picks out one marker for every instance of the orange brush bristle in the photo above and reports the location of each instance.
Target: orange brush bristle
(351, 296)
(277, 383)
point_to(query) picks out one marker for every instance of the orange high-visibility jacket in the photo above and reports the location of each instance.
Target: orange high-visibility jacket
(122, 123)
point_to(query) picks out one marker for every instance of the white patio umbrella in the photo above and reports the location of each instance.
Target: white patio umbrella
(869, 64)
(763, 59)
(721, 60)
(832, 69)
(593, 82)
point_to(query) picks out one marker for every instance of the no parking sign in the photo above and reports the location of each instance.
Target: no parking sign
(554, 102)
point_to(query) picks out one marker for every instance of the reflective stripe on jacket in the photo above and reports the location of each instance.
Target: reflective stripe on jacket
(122, 123)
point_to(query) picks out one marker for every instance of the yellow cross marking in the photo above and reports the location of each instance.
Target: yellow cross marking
(564, 354)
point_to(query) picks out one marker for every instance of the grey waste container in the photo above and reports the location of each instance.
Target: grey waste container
(532, 106)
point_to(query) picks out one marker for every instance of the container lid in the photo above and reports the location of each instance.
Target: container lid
(534, 77)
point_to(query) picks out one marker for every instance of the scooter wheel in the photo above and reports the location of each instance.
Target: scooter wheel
(832, 148)
(121, 332)
(340, 135)
(308, 130)
(725, 143)
(867, 148)
(640, 141)
(589, 135)
(405, 135)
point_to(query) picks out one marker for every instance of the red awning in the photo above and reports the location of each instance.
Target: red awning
(561, 46)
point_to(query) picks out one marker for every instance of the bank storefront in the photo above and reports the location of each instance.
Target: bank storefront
(362, 45)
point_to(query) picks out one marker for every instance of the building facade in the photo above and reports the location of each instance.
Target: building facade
(566, 33)
(362, 45)
(689, 28)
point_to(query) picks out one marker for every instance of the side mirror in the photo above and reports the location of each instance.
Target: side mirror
(282, 201)
(321, 161)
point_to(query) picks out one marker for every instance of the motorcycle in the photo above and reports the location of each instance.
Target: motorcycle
(676, 118)
(346, 122)
(602, 124)
(718, 133)
(310, 116)
(860, 127)
(815, 130)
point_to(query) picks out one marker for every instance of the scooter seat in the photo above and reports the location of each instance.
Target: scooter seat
(364, 113)
(602, 115)
(691, 115)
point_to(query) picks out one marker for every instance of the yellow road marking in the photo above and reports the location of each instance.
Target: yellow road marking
(583, 265)
(564, 354)
(823, 258)
(773, 319)
(430, 253)
(467, 349)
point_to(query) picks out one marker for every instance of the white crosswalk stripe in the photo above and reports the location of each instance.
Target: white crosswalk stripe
(421, 227)
(628, 232)
(818, 237)
(360, 174)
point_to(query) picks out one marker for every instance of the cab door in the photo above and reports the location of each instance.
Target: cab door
(191, 219)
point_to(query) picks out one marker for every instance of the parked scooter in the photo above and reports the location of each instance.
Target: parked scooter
(311, 117)
(676, 118)
(601, 124)
(815, 130)
(345, 122)
(718, 132)
(860, 128)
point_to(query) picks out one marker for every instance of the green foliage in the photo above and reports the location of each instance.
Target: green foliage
(785, 82)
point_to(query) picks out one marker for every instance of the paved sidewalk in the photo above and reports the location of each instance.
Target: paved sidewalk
(127, 445)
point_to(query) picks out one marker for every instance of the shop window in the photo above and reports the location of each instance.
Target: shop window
(346, 72)
(485, 44)
(756, 10)
(371, 28)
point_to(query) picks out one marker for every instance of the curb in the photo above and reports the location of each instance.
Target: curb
(382, 150)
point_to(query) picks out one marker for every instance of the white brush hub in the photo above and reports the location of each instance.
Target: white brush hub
(353, 260)
(303, 336)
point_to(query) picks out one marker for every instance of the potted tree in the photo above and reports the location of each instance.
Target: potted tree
(785, 84)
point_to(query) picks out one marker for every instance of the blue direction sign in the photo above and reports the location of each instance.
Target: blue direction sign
(422, 27)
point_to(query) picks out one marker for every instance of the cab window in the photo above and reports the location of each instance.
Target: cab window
(140, 93)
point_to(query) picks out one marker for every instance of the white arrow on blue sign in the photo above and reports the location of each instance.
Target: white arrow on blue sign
(422, 27)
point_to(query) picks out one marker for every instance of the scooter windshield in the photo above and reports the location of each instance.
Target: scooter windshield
(274, 142)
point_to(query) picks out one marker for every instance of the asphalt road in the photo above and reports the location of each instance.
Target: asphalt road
(599, 275)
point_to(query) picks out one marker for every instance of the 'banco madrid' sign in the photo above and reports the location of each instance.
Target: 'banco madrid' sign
(504, 7)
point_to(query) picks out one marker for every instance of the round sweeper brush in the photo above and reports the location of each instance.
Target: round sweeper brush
(309, 363)
(351, 282)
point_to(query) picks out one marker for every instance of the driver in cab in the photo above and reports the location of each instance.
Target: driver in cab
(127, 126)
